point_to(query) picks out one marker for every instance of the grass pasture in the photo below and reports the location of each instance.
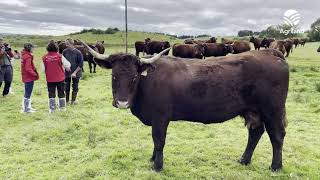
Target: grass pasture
(95, 140)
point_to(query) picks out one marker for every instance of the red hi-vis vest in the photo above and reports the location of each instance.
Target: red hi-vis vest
(53, 67)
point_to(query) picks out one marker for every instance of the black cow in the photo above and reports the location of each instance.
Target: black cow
(153, 47)
(253, 85)
(318, 49)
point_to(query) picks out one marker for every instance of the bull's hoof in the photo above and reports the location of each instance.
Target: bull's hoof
(157, 168)
(275, 167)
(244, 161)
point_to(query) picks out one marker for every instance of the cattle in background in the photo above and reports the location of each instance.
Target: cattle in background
(99, 47)
(279, 45)
(188, 50)
(266, 42)
(288, 44)
(141, 46)
(226, 41)
(253, 85)
(295, 42)
(256, 42)
(192, 41)
(302, 42)
(318, 49)
(217, 49)
(153, 47)
(240, 47)
(188, 41)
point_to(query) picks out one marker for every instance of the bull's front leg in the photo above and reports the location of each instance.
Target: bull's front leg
(159, 132)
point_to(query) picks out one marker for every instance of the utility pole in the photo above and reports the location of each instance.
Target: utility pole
(126, 19)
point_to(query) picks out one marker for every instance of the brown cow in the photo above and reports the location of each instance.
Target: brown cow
(240, 47)
(288, 44)
(295, 42)
(265, 42)
(279, 45)
(302, 42)
(188, 41)
(188, 51)
(217, 49)
(226, 41)
(256, 42)
(159, 90)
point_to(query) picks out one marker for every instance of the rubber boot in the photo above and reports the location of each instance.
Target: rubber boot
(25, 106)
(52, 105)
(30, 106)
(74, 98)
(62, 104)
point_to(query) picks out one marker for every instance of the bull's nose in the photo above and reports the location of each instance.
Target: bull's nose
(123, 104)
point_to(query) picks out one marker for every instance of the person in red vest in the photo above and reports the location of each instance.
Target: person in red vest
(29, 74)
(54, 65)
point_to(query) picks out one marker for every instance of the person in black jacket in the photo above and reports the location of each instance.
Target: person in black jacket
(74, 56)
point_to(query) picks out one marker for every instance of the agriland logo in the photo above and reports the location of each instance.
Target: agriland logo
(291, 18)
(317, 28)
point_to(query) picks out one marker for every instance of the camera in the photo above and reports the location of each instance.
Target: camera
(7, 47)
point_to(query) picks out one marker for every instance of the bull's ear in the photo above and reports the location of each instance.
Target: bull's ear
(145, 69)
(107, 64)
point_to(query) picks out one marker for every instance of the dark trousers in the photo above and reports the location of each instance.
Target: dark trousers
(28, 87)
(59, 86)
(75, 84)
(6, 75)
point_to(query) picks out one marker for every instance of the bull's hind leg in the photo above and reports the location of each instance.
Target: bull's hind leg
(94, 67)
(255, 131)
(276, 131)
(90, 66)
(159, 132)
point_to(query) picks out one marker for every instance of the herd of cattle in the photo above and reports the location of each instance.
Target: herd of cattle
(194, 48)
(207, 48)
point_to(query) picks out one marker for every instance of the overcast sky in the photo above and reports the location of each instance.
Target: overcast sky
(190, 17)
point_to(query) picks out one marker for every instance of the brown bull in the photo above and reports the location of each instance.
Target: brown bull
(253, 85)
(188, 50)
(256, 42)
(288, 44)
(226, 41)
(217, 49)
(279, 45)
(296, 42)
(266, 42)
(240, 47)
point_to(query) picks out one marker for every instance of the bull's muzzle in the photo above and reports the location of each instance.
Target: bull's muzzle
(122, 104)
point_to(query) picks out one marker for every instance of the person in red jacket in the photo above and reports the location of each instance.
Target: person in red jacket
(54, 66)
(29, 75)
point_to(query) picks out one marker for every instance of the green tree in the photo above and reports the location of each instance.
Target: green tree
(314, 33)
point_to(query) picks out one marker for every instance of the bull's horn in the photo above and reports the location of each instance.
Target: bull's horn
(155, 58)
(94, 53)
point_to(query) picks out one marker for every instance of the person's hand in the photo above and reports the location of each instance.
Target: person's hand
(67, 69)
(73, 75)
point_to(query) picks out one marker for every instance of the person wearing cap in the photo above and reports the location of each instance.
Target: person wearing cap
(6, 71)
(74, 56)
(29, 74)
(54, 65)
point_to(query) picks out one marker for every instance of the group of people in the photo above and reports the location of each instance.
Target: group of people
(62, 71)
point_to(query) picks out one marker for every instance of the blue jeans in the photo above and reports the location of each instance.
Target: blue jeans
(28, 87)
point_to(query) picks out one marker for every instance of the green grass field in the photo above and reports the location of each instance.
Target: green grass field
(95, 140)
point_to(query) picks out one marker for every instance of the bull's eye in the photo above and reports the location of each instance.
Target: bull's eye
(114, 77)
